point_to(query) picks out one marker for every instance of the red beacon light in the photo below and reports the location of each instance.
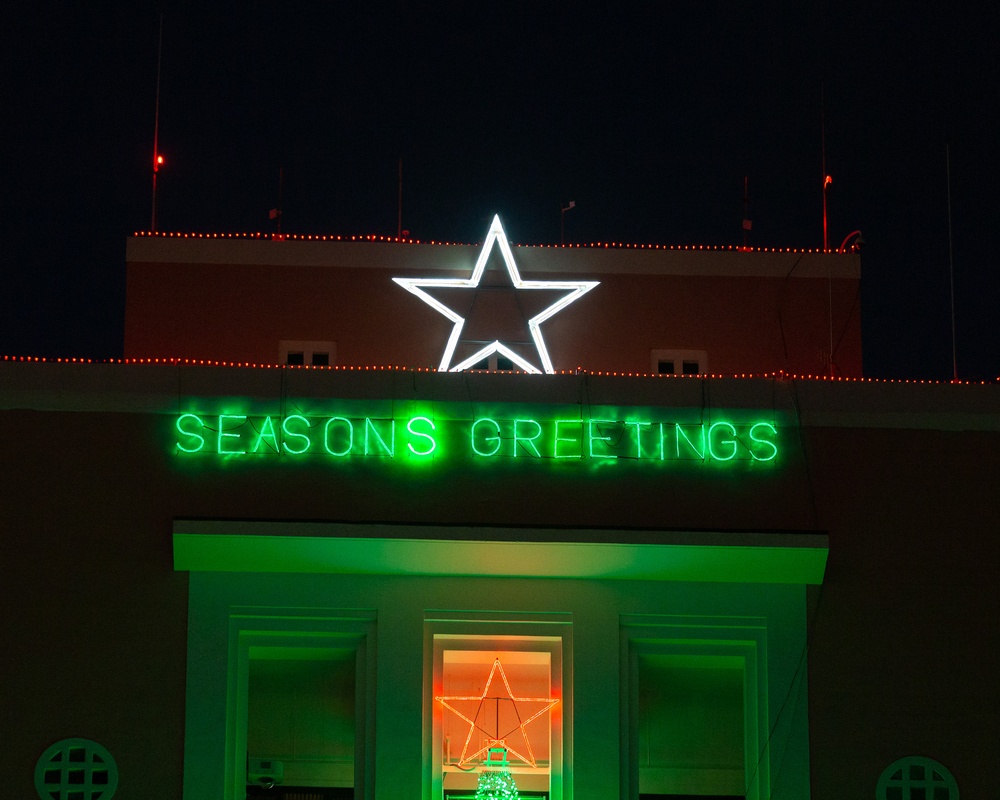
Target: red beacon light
(158, 161)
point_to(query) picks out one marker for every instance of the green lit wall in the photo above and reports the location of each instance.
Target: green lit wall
(903, 644)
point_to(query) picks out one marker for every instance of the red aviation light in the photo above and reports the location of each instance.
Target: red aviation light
(158, 161)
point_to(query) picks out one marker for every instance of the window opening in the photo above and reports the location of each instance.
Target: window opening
(691, 726)
(298, 353)
(670, 361)
(496, 721)
(300, 720)
(494, 363)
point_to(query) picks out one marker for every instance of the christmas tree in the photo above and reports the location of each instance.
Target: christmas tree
(496, 784)
(495, 780)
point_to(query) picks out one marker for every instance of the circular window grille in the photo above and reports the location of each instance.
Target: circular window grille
(916, 778)
(76, 769)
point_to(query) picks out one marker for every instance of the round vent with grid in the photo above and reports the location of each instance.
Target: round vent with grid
(916, 778)
(76, 769)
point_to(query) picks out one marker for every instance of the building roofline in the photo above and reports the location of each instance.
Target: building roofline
(429, 257)
(163, 388)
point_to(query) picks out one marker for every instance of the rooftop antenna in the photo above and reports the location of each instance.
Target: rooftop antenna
(951, 265)
(399, 205)
(747, 224)
(827, 180)
(562, 221)
(275, 213)
(157, 158)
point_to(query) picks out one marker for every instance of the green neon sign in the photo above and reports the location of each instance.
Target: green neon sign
(484, 438)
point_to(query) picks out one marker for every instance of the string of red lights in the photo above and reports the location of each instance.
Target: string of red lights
(196, 362)
(280, 237)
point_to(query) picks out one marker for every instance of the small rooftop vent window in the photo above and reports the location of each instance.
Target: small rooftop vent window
(305, 353)
(496, 363)
(678, 362)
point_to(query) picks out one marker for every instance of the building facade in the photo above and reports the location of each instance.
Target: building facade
(371, 580)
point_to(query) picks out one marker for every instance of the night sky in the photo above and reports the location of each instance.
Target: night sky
(648, 115)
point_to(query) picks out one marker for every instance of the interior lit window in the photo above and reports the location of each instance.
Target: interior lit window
(495, 717)
(497, 712)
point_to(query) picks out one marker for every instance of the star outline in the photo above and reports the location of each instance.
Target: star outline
(496, 235)
(464, 759)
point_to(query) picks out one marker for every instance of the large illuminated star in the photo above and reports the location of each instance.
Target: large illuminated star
(575, 290)
(496, 738)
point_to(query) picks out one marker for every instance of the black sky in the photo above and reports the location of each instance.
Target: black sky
(648, 115)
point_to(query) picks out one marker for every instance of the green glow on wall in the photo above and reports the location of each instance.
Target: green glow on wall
(682, 434)
(431, 444)
(528, 442)
(423, 438)
(194, 441)
(268, 434)
(594, 435)
(327, 435)
(225, 432)
(726, 443)
(577, 441)
(372, 435)
(288, 425)
(768, 444)
(494, 438)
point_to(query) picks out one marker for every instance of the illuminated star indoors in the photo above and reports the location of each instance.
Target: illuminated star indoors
(499, 716)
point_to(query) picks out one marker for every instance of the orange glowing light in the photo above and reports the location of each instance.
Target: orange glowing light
(542, 704)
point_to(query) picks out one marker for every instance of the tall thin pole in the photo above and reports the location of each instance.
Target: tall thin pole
(156, 125)
(826, 178)
(562, 221)
(746, 209)
(399, 204)
(281, 192)
(951, 266)
(826, 238)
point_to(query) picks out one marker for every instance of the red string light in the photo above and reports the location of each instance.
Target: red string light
(780, 375)
(399, 240)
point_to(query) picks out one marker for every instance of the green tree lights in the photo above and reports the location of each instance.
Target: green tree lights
(496, 784)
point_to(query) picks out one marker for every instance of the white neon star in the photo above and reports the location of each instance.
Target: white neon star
(496, 235)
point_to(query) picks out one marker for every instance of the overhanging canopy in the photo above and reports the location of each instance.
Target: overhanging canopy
(341, 548)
